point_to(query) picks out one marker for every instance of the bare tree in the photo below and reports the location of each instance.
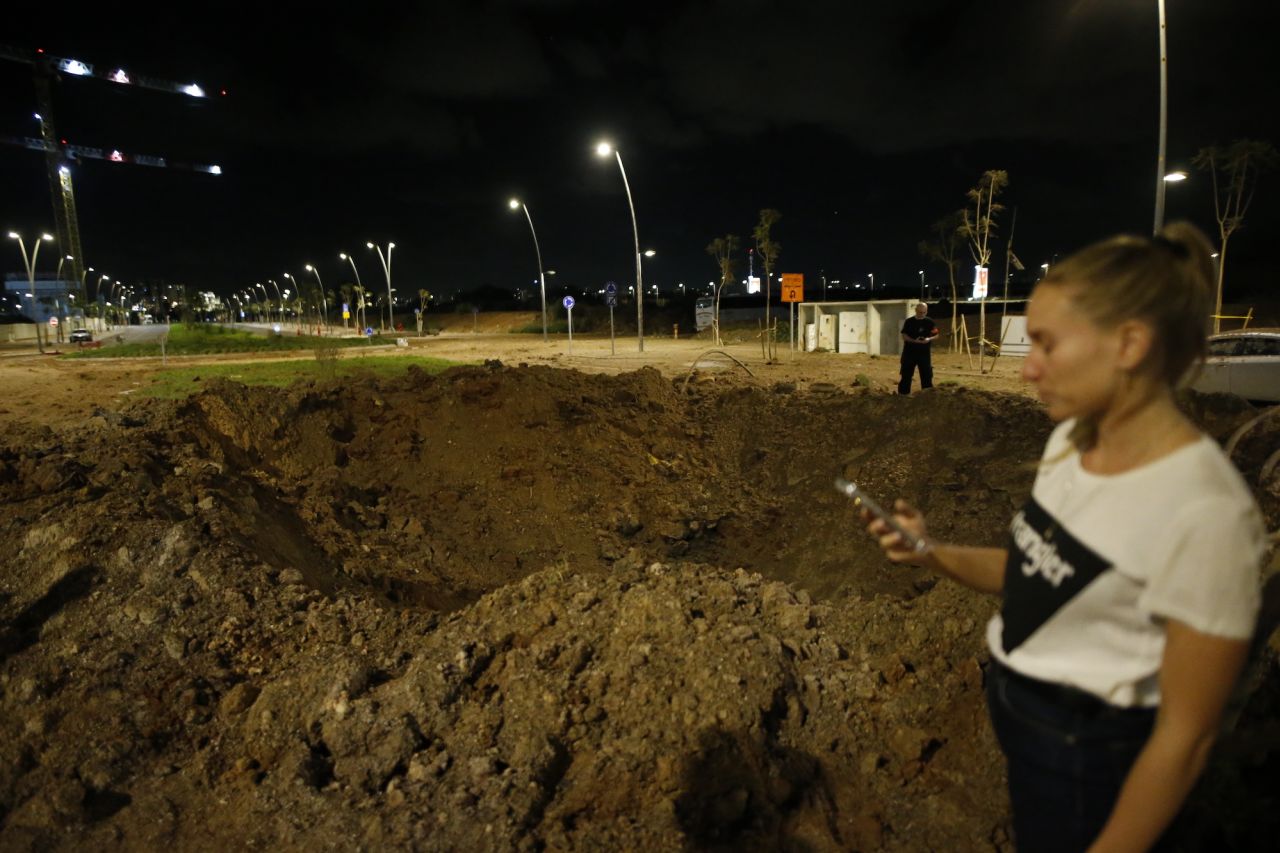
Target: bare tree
(945, 249)
(361, 314)
(424, 296)
(1235, 170)
(977, 227)
(723, 250)
(768, 249)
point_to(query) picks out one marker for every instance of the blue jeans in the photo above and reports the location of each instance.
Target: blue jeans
(1068, 755)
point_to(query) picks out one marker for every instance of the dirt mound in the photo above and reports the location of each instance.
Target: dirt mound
(514, 608)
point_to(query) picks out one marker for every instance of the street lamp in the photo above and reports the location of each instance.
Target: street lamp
(604, 149)
(516, 204)
(359, 287)
(324, 300)
(386, 271)
(31, 275)
(872, 277)
(266, 297)
(921, 285)
(298, 285)
(1164, 122)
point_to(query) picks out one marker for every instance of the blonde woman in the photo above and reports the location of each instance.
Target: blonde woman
(1130, 582)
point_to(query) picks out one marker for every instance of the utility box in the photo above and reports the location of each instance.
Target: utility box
(853, 332)
(1013, 336)
(827, 332)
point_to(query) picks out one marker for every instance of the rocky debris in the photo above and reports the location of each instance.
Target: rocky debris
(518, 609)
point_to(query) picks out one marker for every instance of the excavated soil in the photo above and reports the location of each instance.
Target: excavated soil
(527, 608)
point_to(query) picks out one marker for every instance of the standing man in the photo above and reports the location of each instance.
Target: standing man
(918, 333)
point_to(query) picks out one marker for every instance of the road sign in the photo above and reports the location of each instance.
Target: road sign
(53, 321)
(568, 303)
(610, 288)
(792, 287)
(611, 300)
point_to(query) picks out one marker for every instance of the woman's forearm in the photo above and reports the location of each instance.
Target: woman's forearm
(978, 568)
(1158, 782)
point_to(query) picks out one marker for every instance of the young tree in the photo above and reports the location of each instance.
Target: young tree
(361, 318)
(768, 249)
(424, 296)
(723, 250)
(1235, 170)
(945, 249)
(977, 227)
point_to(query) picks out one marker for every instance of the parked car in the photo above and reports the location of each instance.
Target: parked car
(80, 335)
(1245, 363)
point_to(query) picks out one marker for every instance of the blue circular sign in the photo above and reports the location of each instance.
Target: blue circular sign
(568, 302)
(369, 331)
(610, 288)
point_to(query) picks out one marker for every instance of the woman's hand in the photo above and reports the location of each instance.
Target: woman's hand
(895, 547)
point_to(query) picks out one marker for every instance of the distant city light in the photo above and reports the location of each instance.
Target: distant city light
(75, 66)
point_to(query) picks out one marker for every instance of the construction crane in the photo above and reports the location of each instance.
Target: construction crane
(59, 155)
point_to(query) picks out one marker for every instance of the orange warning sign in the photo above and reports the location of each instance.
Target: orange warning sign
(792, 287)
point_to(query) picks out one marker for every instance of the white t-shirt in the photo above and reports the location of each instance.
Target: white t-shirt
(1097, 563)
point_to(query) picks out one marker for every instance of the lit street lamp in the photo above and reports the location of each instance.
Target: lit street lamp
(604, 149)
(298, 285)
(359, 287)
(516, 204)
(324, 300)
(31, 275)
(386, 271)
(872, 277)
(921, 285)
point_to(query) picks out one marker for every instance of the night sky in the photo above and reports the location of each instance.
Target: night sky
(862, 123)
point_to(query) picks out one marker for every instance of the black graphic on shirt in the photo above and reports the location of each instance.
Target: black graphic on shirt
(1047, 568)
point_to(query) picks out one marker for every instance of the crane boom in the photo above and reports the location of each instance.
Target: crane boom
(59, 155)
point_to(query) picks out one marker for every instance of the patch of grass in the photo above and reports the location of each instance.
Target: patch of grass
(208, 339)
(183, 382)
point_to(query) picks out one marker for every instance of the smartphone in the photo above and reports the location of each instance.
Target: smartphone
(862, 499)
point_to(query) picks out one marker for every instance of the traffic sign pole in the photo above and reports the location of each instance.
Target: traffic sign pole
(611, 299)
(568, 306)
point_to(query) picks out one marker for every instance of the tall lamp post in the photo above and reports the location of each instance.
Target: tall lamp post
(31, 275)
(921, 285)
(516, 204)
(1164, 122)
(279, 298)
(386, 271)
(324, 300)
(359, 287)
(604, 149)
(298, 285)
(266, 297)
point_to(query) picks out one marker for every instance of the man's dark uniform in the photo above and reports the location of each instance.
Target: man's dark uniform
(917, 355)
